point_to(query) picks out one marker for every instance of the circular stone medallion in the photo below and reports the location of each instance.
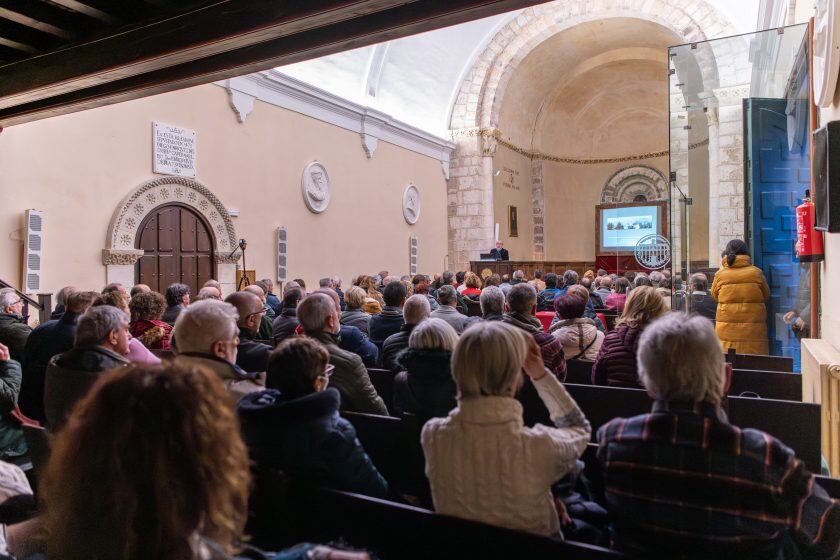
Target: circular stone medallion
(653, 251)
(315, 185)
(411, 204)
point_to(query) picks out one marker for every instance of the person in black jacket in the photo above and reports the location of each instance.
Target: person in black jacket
(415, 311)
(47, 340)
(286, 322)
(251, 356)
(294, 424)
(426, 387)
(351, 338)
(391, 319)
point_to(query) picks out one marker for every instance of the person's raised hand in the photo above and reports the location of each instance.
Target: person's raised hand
(788, 317)
(4, 353)
(533, 366)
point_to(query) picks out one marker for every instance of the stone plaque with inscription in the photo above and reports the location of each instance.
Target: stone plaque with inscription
(174, 150)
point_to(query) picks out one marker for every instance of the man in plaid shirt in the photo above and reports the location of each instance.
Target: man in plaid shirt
(683, 482)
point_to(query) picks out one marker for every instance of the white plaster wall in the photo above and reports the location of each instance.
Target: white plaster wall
(78, 167)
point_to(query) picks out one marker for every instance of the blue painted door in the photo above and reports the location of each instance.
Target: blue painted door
(778, 172)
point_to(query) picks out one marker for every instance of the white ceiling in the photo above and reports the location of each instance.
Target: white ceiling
(415, 79)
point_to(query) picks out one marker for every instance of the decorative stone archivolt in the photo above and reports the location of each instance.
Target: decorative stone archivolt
(639, 183)
(411, 204)
(315, 184)
(125, 225)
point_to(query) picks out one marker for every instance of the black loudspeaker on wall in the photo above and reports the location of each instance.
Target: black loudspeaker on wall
(826, 170)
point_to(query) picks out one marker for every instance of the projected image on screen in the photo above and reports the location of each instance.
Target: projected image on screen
(622, 228)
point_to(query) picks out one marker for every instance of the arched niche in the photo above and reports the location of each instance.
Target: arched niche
(639, 183)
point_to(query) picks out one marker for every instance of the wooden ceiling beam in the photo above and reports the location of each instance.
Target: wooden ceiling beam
(216, 28)
(48, 18)
(38, 41)
(398, 22)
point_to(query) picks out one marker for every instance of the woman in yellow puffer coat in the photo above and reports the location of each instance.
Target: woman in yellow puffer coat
(741, 290)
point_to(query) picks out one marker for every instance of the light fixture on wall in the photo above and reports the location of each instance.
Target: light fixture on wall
(496, 172)
(234, 212)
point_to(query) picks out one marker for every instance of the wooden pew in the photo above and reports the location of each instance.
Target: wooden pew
(397, 531)
(794, 423)
(383, 382)
(759, 362)
(766, 384)
(579, 372)
(393, 445)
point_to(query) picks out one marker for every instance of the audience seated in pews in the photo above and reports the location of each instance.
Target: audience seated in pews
(579, 335)
(603, 287)
(472, 285)
(267, 318)
(570, 278)
(415, 311)
(47, 340)
(294, 424)
(391, 319)
(319, 317)
(271, 299)
(683, 482)
(286, 322)
(12, 443)
(505, 285)
(146, 325)
(350, 338)
(177, 299)
(447, 309)
(101, 345)
(421, 286)
(618, 298)
(137, 351)
(251, 355)
(61, 300)
(213, 283)
(482, 463)
(207, 292)
(134, 442)
(13, 328)
(589, 309)
(521, 307)
(595, 299)
(545, 298)
(537, 282)
(425, 387)
(207, 337)
(615, 364)
(354, 314)
(492, 301)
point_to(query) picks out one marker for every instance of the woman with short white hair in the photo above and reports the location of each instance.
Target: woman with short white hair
(481, 460)
(425, 386)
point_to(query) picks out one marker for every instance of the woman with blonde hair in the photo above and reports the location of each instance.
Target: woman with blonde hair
(473, 285)
(425, 386)
(368, 284)
(149, 465)
(481, 460)
(616, 362)
(354, 314)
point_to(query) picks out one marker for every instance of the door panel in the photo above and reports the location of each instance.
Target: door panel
(778, 175)
(178, 247)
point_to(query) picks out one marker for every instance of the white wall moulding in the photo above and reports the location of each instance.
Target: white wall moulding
(315, 187)
(174, 150)
(278, 89)
(241, 103)
(411, 204)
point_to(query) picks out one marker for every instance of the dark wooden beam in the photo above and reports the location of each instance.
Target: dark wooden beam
(385, 25)
(9, 55)
(33, 38)
(49, 18)
(220, 27)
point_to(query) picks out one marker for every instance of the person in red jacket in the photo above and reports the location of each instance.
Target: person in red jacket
(616, 362)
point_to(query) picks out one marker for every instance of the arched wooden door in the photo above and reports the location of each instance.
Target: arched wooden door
(178, 247)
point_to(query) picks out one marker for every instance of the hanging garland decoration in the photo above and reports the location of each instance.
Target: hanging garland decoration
(496, 134)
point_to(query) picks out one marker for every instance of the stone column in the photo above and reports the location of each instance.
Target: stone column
(470, 198)
(714, 185)
(678, 165)
(730, 165)
(538, 208)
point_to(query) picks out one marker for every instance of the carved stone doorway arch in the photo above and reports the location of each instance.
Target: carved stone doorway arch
(639, 183)
(120, 254)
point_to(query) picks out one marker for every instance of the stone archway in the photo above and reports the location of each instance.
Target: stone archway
(120, 254)
(639, 183)
(475, 112)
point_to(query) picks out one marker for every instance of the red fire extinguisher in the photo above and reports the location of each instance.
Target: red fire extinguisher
(809, 242)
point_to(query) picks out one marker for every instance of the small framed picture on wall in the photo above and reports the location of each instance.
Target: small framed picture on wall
(513, 221)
